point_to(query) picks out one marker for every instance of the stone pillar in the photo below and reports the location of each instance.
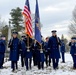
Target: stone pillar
(9, 33)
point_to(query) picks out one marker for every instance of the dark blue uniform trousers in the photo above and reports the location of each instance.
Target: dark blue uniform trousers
(41, 61)
(40, 65)
(28, 60)
(46, 59)
(63, 57)
(55, 62)
(14, 64)
(22, 60)
(1, 60)
(28, 63)
(35, 58)
(74, 60)
(49, 60)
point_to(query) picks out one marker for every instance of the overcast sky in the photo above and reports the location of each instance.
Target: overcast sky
(54, 14)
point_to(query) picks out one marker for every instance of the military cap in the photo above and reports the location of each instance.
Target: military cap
(14, 32)
(73, 38)
(3, 36)
(23, 36)
(53, 31)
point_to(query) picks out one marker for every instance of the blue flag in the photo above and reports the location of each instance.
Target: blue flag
(37, 24)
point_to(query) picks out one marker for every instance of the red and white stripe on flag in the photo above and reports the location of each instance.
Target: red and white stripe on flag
(28, 21)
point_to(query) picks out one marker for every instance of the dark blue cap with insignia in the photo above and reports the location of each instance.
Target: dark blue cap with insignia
(14, 32)
(53, 31)
(3, 36)
(73, 38)
(23, 36)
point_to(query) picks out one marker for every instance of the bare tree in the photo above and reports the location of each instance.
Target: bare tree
(72, 26)
(2, 24)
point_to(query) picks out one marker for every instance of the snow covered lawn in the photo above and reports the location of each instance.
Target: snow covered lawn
(64, 69)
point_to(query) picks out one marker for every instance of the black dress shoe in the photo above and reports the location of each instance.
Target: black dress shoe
(13, 70)
(63, 62)
(74, 68)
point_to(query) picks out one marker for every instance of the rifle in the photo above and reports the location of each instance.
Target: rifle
(58, 40)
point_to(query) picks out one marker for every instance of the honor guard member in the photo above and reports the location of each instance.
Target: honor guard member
(23, 50)
(73, 51)
(62, 50)
(47, 52)
(53, 45)
(14, 45)
(40, 56)
(28, 60)
(34, 52)
(2, 50)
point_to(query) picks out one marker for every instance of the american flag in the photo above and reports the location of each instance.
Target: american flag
(28, 20)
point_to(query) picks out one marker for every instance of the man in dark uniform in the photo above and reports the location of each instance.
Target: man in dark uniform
(2, 50)
(28, 60)
(53, 45)
(75, 53)
(40, 55)
(14, 45)
(23, 51)
(47, 52)
(34, 52)
(72, 45)
(42, 58)
(62, 49)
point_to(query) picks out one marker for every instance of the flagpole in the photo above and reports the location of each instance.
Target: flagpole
(41, 50)
(27, 37)
(28, 50)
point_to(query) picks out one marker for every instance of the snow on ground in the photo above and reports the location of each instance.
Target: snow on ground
(64, 69)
